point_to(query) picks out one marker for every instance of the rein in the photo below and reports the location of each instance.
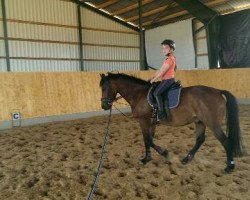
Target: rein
(90, 196)
(115, 100)
(123, 113)
(91, 193)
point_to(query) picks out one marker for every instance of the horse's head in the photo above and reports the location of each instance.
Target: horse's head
(108, 92)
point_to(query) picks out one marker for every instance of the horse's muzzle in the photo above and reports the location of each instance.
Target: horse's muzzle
(106, 103)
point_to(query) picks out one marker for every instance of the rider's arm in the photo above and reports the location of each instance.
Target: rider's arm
(161, 72)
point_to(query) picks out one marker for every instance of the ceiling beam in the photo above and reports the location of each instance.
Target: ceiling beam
(231, 10)
(183, 12)
(106, 4)
(168, 21)
(145, 14)
(163, 13)
(94, 9)
(199, 10)
(129, 8)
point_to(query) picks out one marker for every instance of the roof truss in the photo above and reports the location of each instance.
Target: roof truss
(160, 12)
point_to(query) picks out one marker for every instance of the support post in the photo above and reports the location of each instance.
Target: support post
(80, 37)
(5, 33)
(143, 60)
(194, 42)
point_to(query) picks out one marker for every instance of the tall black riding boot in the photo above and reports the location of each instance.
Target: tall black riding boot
(166, 107)
(161, 110)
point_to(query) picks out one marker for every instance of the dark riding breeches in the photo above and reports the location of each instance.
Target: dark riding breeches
(163, 86)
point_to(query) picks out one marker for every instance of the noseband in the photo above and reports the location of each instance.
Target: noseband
(107, 100)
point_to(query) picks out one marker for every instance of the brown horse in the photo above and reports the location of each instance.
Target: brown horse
(205, 106)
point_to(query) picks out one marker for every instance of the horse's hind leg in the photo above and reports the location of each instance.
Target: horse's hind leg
(220, 135)
(200, 138)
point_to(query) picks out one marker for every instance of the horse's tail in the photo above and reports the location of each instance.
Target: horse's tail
(233, 127)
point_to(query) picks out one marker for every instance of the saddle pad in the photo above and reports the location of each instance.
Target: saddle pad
(173, 98)
(172, 95)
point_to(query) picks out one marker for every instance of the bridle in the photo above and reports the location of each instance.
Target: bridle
(107, 100)
(110, 101)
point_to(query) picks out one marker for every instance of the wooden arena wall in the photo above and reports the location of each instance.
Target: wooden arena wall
(49, 94)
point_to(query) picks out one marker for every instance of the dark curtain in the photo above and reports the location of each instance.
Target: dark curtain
(235, 40)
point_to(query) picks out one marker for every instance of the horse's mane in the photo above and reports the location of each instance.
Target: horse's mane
(133, 79)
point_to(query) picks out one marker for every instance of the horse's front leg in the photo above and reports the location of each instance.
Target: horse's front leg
(161, 151)
(146, 129)
(147, 142)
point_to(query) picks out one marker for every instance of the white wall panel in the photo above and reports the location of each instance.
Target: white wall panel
(181, 33)
(65, 13)
(49, 11)
(94, 20)
(33, 49)
(111, 66)
(202, 62)
(43, 65)
(198, 24)
(1, 28)
(202, 33)
(93, 52)
(42, 32)
(3, 67)
(1, 24)
(1, 15)
(2, 48)
(202, 46)
(102, 37)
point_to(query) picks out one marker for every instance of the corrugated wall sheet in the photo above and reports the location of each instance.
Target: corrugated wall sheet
(202, 54)
(107, 44)
(43, 36)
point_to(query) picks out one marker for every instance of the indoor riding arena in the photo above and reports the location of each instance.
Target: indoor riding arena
(75, 116)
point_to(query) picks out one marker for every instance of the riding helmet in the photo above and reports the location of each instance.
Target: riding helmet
(171, 43)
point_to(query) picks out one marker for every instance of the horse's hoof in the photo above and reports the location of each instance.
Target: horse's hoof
(187, 159)
(141, 162)
(229, 168)
(144, 161)
(167, 157)
(184, 161)
(165, 154)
